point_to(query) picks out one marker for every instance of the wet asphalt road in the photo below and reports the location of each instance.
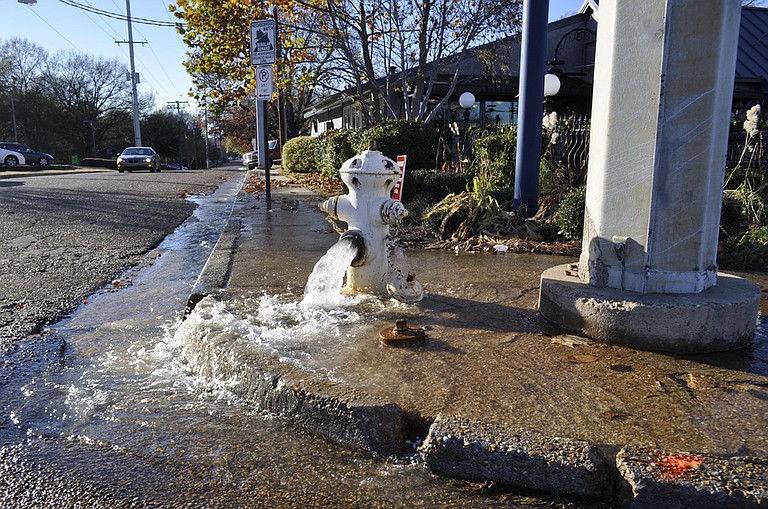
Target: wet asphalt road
(64, 235)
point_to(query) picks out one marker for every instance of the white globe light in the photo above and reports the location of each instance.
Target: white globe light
(467, 100)
(551, 85)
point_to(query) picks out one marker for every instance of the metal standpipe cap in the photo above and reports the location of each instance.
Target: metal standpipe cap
(402, 336)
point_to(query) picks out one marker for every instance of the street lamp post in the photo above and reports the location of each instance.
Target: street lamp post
(466, 101)
(13, 115)
(551, 87)
(93, 136)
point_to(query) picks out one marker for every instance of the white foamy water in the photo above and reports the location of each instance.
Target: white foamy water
(281, 326)
(323, 288)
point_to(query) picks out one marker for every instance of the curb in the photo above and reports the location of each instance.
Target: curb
(481, 452)
(335, 411)
(679, 480)
(215, 274)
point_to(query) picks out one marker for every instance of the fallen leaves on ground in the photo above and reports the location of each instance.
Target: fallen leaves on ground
(254, 184)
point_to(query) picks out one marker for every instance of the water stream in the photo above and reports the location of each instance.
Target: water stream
(124, 413)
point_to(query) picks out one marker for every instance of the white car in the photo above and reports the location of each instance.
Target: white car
(138, 158)
(11, 158)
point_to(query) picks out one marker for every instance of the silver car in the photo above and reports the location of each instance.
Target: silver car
(34, 157)
(11, 158)
(138, 158)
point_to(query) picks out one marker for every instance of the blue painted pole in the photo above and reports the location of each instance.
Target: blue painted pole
(533, 58)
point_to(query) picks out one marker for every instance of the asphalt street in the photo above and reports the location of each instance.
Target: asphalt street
(65, 234)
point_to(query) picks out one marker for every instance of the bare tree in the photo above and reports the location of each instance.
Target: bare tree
(80, 88)
(415, 41)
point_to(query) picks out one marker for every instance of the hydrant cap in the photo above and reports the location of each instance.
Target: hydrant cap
(370, 162)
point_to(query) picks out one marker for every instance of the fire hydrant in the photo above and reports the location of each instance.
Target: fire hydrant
(368, 211)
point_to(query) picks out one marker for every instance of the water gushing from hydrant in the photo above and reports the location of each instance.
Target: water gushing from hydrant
(368, 211)
(323, 288)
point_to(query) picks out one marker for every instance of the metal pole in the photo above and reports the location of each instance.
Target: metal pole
(532, 67)
(136, 127)
(262, 131)
(93, 137)
(13, 114)
(178, 104)
(281, 121)
(207, 157)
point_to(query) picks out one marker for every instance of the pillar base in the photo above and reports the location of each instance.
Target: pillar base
(723, 317)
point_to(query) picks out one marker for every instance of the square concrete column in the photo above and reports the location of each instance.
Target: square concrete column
(647, 276)
(664, 74)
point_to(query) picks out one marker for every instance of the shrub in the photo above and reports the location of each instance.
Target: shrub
(99, 163)
(734, 220)
(570, 215)
(299, 155)
(334, 148)
(433, 185)
(475, 211)
(494, 158)
(397, 137)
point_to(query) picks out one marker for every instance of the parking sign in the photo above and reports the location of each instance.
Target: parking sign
(264, 81)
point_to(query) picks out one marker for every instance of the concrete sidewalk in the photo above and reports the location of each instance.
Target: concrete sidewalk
(498, 393)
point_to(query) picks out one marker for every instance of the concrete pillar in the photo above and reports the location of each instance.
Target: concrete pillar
(664, 73)
(647, 274)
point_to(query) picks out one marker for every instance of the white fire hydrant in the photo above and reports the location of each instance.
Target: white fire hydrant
(368, 211)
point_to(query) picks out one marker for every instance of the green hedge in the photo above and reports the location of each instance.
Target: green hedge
(392, 138)
(299, 155)
(570, 215)
(398, 137)
(495, 156)
(432, 186)
(334, 148)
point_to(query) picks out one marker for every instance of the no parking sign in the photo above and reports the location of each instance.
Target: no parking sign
(264, 82)
(397, 191)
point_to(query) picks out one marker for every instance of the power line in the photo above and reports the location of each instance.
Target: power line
(119, 16)
(54, 29)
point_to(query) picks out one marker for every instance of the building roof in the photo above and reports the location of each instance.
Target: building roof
(752, 59)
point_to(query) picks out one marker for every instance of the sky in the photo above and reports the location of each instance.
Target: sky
(58, 25)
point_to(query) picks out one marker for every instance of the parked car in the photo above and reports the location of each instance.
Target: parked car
(274, 150)
(138, 158)
(11, 158)
(251, 159)
(30, 156)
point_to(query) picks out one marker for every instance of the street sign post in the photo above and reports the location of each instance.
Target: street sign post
(397, 191)
(263, 56)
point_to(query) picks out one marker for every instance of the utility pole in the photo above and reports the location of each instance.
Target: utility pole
(134, 78)
(93, 136)
(178, 116)
(13, 114)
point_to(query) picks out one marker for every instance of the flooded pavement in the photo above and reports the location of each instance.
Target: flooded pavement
(492, 356)
(105, 409)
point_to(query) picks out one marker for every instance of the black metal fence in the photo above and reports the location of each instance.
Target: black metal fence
(568, 149)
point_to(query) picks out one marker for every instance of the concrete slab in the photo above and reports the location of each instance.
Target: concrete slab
(675, 323)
